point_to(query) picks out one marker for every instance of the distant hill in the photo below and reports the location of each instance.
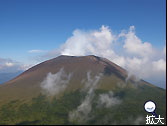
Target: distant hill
(4, 77)
(77, 90)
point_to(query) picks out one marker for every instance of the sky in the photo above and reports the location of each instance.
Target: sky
(32, 31)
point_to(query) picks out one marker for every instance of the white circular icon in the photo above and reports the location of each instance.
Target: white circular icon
(149, 106)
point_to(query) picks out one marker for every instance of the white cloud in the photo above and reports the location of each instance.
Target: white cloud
(82, 111)
(81, 114)
(125, 49)
(152, 70)
(11, 66)
(96, 42)
(53, 84)
(36, 51)
(108, 100)
(159, 65)
(135, 46)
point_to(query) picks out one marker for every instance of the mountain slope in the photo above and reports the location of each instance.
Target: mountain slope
(68, 90)
(28, 83)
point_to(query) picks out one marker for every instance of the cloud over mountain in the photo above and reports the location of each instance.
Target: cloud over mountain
(108, 100)
(55, 83)
(82, 111)
(125, 49)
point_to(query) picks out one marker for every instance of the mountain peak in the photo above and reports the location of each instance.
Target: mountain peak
(92, 57)
(78, 56)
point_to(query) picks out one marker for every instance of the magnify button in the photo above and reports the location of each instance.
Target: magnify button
(150, 107)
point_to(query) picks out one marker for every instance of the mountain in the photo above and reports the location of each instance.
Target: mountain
(4, 77)
(77, 90)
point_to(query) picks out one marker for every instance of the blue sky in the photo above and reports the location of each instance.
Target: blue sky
(45, 24)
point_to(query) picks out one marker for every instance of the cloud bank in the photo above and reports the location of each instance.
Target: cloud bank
(11, 66)
(125, 49)
(53, 84)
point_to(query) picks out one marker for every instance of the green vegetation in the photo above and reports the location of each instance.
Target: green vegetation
(43, 110)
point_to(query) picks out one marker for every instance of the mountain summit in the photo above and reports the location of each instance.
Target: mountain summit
(78, 87)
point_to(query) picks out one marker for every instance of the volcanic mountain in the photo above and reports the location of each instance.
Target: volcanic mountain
(77, 90)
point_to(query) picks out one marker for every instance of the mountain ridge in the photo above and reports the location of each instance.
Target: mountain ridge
(68, 89)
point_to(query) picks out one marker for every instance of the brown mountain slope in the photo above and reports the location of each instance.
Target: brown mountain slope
(27, 85)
